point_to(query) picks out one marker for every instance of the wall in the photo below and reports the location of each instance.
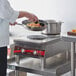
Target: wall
(60, 10)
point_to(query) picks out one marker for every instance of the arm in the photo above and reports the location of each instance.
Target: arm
(11, 15)
(28, 15)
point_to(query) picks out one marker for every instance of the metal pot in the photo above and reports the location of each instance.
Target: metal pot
(53, 27)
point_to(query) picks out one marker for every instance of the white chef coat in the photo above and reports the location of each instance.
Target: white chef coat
(7, 14)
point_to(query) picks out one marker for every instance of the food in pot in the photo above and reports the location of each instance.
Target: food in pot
(34, 25)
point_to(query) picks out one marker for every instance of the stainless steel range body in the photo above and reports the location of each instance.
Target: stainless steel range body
(32, 47)
(36, 48)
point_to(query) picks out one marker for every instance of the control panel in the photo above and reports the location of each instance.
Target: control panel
(25, 51)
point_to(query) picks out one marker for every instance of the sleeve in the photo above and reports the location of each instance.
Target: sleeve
(14, 16)
(11, 14)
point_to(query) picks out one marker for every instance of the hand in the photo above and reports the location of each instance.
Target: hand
(28, 15)
(32, 18)
(13, 23)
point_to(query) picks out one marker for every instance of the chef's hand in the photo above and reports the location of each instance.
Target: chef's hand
(30, 16)
(12, 24)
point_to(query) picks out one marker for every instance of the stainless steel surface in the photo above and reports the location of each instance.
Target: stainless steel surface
(57, 48)
(17, 58)
(27, 44)
(43, 63)
(32, 65)
(36, 45)
(65, 68)
(71, 39)
(44, 42)
(53, 27)
(36, 37)
(17, 62)
(72, 58)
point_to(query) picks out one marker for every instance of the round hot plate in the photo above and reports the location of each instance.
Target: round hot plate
(36, 37)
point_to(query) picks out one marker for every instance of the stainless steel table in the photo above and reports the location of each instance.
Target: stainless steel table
(55, 70)
(71, 39)
(40, 71)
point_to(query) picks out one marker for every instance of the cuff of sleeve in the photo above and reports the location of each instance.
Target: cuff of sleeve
(14, 17)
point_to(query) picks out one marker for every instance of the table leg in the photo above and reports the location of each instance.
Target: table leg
(43, 63)
(72, 58)
(17, 62)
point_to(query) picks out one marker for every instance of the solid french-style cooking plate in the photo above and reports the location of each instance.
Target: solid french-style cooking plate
(36, 37)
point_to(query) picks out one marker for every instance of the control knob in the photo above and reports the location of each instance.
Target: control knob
(22, 50)
(35, 52)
